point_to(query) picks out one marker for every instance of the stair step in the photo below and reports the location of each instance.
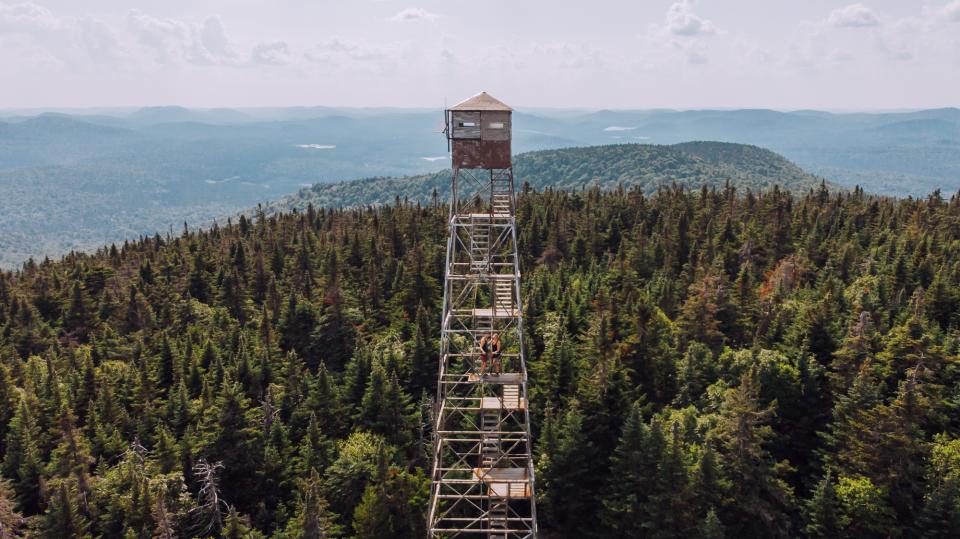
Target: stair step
(511, 395)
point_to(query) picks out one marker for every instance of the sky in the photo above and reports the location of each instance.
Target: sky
(640, 54)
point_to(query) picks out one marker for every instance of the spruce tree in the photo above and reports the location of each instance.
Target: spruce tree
(312, 518)
(633, 472)
(760, 499)
(63, 517)
(236, 525)
(940, 515)
(23, 461)
(820, 511)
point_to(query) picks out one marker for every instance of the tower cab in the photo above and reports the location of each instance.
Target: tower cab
(478, 129)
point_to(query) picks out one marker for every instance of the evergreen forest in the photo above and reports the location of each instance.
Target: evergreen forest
(713, 362)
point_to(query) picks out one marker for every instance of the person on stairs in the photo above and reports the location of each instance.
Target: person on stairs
(490, 352)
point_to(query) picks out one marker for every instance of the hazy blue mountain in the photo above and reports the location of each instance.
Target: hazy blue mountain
(77, 178)
(50, 139)
(900, 154)
(156, 115)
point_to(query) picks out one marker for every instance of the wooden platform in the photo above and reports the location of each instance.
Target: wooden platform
(503, 378)
(504, 482)
(487, 215)
(494, 403)
(496, 313)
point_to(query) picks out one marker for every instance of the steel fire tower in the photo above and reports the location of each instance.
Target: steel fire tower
(482, 479)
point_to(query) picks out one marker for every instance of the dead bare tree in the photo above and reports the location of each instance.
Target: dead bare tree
(209, 512)
(164, 525)
(270, 412)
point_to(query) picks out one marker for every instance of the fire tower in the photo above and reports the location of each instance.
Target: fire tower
(482, 479)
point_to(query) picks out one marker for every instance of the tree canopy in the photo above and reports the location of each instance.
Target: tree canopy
(702, 363)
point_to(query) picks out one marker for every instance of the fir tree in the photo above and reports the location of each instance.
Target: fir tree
(312, 519)
(760, 498)
(22, 461)
(820, 511)
(63, 518)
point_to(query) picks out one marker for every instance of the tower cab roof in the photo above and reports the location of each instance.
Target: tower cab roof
(481, 101)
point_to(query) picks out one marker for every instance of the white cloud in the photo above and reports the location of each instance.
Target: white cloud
(355, 56)
(168, 39)
(683, 35)
(73, 41)
(100, 41)
(853, 16)
(899, 40)
(271, 53)
(173, 41)
(952, 11)
(27, 17)
(335, 49)
(214, 38)
(682, 21)
(695, 52)
(414, 14)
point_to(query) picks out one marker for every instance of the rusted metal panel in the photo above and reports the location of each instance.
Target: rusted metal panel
(466, 125)
(496, 125)
(481, 153)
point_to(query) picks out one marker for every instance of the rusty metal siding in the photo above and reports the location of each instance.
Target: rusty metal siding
(462, 128)
(490, 120)
(481, 154)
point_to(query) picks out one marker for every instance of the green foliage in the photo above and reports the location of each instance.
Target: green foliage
(312, 519)
(864, 511)
(710, 363)
(821, 510)
(394, 505)
(63, 517)
(940, 516)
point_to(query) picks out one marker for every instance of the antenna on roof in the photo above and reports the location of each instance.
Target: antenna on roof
(446, 123)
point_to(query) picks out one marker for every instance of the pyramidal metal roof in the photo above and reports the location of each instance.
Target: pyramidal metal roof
(481, 101)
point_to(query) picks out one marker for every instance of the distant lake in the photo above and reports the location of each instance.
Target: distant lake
(225, 180)
(317, 146)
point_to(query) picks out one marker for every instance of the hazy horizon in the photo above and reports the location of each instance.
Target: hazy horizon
(107, 109)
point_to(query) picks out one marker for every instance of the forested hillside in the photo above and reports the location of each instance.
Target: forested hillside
(710, 363)
(642, 166)
(79, 179)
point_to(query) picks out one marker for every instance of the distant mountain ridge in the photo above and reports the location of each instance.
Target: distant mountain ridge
(647, 167)
(77, 179)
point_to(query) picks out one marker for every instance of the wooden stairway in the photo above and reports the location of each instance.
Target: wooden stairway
(479, 247)
(498, 514)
